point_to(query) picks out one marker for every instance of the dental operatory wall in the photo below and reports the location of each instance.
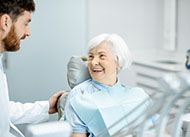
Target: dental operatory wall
(183, 25)
(142, 22)
(138, 21)
(62, 28)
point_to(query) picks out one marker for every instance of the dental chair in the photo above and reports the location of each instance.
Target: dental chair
(49, 129)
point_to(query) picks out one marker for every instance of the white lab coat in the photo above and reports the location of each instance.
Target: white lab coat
(18, 113)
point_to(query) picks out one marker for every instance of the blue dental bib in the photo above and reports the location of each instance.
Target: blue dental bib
(102, 109)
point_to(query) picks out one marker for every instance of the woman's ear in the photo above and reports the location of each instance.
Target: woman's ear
(118, 68)
(5, 22)
(117, 63)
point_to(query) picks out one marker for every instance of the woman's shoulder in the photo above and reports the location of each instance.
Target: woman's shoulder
(136, 90)
(128, 87)
(139, 94)
(83, 85)
(81, 88)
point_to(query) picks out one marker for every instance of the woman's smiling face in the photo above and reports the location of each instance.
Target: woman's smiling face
(102, 64)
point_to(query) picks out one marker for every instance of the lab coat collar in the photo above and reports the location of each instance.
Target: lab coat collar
(1, 55)
(15, 131)
(1, 62)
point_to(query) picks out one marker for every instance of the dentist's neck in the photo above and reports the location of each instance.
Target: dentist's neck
(1, 48)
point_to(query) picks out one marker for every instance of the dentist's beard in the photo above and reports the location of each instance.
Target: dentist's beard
(11, 42)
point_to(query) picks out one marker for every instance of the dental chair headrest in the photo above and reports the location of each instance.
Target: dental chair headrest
(77, 71)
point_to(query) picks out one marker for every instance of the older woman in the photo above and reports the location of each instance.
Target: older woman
(96, 104)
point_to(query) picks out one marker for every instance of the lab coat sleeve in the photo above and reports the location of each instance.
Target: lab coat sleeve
(28, 112)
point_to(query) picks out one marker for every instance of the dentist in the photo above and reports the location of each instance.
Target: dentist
(15, 16)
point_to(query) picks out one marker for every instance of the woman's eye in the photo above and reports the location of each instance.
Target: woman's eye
(102, 56)
(90, 57)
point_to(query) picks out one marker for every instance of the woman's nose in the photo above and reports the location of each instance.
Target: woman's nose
(95, 61)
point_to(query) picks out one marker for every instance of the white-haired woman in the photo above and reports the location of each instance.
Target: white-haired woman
(96, 104)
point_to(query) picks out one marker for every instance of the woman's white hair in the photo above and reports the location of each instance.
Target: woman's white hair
(118, 47)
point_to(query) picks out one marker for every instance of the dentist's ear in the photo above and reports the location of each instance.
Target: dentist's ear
(5, 22)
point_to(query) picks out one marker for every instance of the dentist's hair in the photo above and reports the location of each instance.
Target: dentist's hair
(14, 8)
(118, 47)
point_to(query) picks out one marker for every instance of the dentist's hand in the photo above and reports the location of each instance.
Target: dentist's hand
(53, 102)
